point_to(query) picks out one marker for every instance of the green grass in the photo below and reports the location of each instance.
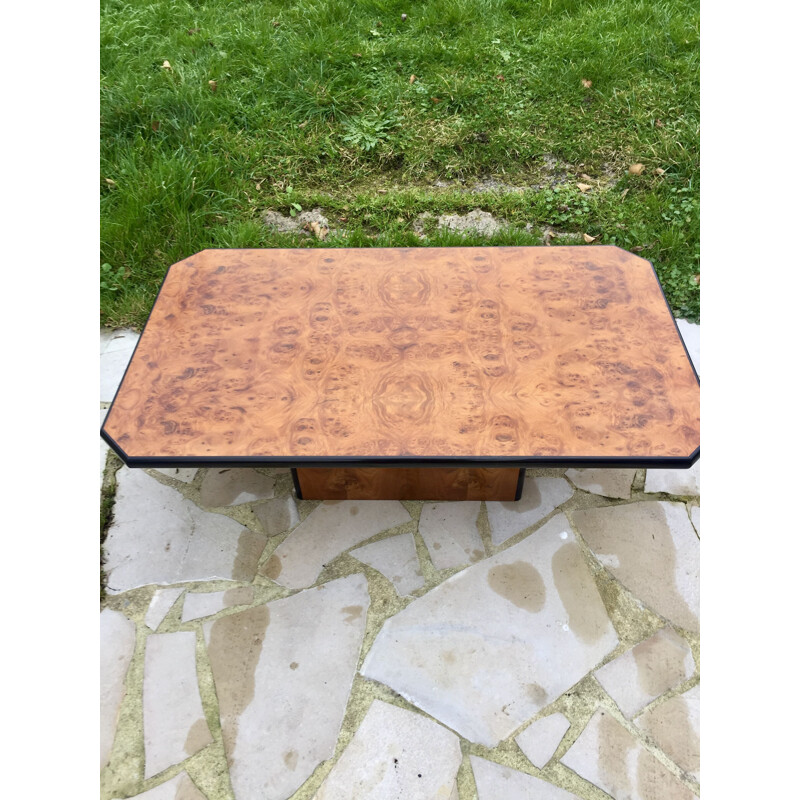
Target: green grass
(315, 95)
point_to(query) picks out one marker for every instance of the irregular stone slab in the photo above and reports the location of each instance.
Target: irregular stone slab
(278, 515)
(159, 607)
(541, 738)
(487, 649)
(497, 782)
(117, 643)
(608, 756)
(450, 532)
(680, 482)
(158, 536)
(232, 487)
(691, 338)
(116, 349)
(331, 528)
(283, 673)
(605, 482)
(184, 474)
(539, 497)
(645, 672)
(396, 558)
(395, 753)
(204, 604)
(652, 549)
(675, 728)
(175, 724)
(695, 515)
(181, 787)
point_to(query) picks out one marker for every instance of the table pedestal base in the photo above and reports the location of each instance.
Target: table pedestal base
(408, 483)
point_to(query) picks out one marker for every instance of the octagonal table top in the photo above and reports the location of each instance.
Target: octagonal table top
(458, 356)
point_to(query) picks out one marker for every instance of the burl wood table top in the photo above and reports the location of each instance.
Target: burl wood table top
(504, 356)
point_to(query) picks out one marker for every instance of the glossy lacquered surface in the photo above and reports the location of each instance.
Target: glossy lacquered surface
(455, 354)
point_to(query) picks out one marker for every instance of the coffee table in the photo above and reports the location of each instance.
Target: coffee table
(409, 373)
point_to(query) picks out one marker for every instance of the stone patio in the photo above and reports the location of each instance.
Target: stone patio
(257, 647)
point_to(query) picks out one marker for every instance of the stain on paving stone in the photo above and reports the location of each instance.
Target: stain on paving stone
(618, 534)
(197, 738)
(352, 613)
(675, 727)
(234, 648)
(588, 621)
(248, 551)
(660, 667)
(272, 569)
(520, 583)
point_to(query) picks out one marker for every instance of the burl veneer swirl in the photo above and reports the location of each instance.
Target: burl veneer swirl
(518, 352)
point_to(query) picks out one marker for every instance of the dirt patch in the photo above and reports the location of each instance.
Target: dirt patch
(306, 223)
(477, 222)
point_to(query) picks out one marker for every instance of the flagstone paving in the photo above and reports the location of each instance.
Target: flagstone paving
(257, 646)
(497, 782)
(175, 725)
(396, 559)
(647, 671)
(540, 739)
(674, 725)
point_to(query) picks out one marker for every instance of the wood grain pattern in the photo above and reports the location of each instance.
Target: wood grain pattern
(408, 483)
(411, 353)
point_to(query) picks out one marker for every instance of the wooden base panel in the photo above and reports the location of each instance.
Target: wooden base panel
(407, 483)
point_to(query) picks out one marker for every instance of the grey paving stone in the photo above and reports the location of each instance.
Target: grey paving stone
(652, 549)
(541, 738)
(396, 558)
(117, 643)
(608, 756)
(232, 487)
(205, 604)
(184, 474)
(487, 649)
(175, 724)
(278, 515)
(283, 673)
(450, 532)
(395, 753)
(331, 528)
(539, 497)
(116, 349)
(158, 536)
(646, 671)
(605, 482)
(162, 602)
(690, 332)
(498, 782)
(680, 482)
(181, 787)
(674, 726)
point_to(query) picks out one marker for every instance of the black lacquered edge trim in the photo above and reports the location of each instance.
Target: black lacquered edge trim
(650, 462)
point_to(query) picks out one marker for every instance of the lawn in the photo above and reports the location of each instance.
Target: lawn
(213, 113)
